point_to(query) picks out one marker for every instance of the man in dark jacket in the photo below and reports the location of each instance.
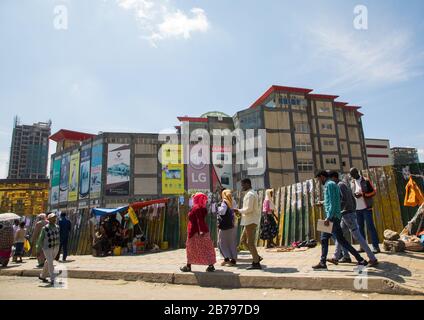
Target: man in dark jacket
(364, 192)
(64, 231)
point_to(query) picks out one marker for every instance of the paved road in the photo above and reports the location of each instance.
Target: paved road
(22, 288)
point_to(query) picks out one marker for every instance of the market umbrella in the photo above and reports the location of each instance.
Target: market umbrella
(9, 217)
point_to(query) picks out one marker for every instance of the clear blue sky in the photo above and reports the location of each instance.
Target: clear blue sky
(135, 65)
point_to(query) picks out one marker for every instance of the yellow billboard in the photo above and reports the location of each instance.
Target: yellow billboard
(172, 169)
(74, 177)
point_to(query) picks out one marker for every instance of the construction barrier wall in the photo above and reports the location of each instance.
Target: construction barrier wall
(296, 208)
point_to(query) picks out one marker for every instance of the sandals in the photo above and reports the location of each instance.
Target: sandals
(185, 269)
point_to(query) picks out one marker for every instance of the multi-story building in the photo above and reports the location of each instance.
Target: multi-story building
(404, 156)
(24, 196)
(29, 151)
(304, 132)
(378, 153)
(106, 170)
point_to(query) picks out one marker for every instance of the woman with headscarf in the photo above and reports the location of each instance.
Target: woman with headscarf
(6, 242)
(269, 228)
(227, 234)
(199, 246)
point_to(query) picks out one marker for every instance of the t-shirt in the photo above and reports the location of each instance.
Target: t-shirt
(360, 202)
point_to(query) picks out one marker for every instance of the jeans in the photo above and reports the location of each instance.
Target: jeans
(366, 216)
(249, 238)
(338, 234)
(349, 222)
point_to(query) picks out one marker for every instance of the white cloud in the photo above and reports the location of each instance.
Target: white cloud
(4, 164)
(159, 20)
(359, 58)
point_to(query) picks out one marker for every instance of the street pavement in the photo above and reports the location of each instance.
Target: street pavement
(397, 273)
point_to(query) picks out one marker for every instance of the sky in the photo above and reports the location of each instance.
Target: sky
(135, 65)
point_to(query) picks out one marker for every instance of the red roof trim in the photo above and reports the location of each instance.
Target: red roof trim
(322, 96)
(273, 89)
(192, 119)
(377, 146)
(353, 107)
(64, 134)
(341, 104)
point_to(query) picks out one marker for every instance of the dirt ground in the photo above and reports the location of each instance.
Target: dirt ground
(22, 288)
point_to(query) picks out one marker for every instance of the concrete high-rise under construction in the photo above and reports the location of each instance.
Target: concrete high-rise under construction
(29, 151)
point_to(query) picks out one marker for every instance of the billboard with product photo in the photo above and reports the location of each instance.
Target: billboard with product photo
(84, 179)
(172, 170)
(198, 170)
(74, 177)
(64, 178)
(223, 167)
(118, 170)
(54, 192)
(96, 171)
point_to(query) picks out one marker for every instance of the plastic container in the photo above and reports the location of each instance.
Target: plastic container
(117, 251)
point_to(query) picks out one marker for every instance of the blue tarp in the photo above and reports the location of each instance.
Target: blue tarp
(98, 212)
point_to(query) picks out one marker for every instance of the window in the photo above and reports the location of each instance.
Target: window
(331, 161)
(327, 126)
(303, 146)
(302, 127)
(305, 165)
(299, 107)
(324, 109)
(328, 142)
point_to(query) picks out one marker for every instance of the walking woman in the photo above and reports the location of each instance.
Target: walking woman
(269, 228)
(199, 247)
(227, 234)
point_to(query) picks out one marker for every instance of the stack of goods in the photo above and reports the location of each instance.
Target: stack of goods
(392, 242)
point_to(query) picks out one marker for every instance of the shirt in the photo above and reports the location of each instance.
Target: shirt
(250, 213)
(20, 235)
(360, 202)
(332, 200)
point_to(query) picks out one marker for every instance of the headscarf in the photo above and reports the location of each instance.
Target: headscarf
(200, 200)
(270, 198)
(41, 217)
(228, 198)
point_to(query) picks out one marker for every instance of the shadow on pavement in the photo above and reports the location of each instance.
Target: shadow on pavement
(391, 271)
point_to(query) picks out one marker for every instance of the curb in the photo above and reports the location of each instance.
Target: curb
(235, 281)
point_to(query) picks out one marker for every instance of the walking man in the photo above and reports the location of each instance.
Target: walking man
(333, 214)
(348, 210)
(39, 254)
(364, 192)
(250, 219)
(49, 243)
(64, 231)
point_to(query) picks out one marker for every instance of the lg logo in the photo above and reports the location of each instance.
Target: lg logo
(360, 22)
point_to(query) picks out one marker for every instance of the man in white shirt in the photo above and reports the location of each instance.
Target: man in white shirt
(250, 219)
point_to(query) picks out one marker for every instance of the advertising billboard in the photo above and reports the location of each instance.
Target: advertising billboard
(54, 191)
(74, 177)
(172, 170)
(96, 171)
(64, 178)
(223, 167)
(118, 170)
(198, 170)
(84, 181)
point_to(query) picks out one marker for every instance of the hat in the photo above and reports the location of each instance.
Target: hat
(51, 216)
(42, 216)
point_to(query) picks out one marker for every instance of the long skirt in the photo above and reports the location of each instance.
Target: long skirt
(200, 250)
(269, 227)
(227, 243)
